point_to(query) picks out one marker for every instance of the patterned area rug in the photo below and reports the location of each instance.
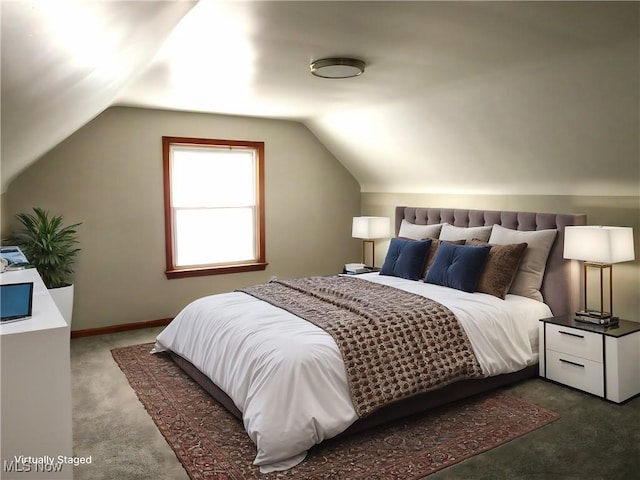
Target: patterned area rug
(212, 444)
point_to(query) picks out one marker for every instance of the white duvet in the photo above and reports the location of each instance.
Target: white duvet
(287, 377)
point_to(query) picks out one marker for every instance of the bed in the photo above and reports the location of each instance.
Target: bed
(292, 383)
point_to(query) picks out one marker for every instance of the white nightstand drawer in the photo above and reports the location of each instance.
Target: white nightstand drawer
(576, 372)
(587, 345)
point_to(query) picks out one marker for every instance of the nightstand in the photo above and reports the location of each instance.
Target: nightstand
(603, 361)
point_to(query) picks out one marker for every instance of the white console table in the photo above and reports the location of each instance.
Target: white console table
(35, 393)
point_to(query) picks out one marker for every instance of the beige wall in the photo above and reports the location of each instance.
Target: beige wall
(4, 216)
(618, 211)
(108, 175)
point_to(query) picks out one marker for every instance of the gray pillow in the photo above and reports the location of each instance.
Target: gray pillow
(534, 261)
(450, 232)
(418, 232)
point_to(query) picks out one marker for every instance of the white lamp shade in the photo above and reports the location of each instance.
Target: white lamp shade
(599, 244)
(369, 228)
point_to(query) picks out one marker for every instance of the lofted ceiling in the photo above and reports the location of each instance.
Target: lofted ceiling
(484, 97)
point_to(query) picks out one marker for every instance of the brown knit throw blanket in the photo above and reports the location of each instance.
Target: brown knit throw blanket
(394, 343)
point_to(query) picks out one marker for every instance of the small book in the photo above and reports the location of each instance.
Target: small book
(592, 320)
(355, 268)
(606, 320)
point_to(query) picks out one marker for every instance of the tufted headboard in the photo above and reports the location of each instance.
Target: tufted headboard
(560, 287)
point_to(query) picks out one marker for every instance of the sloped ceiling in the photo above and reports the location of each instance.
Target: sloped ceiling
(65, 62)
(487, 97)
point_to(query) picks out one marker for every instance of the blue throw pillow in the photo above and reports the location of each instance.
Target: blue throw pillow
(406, 258)
(458, 266)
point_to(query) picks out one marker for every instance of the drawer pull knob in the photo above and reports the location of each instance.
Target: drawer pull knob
(571, 334)
(571, 363)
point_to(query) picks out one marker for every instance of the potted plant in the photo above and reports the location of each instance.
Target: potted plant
(51, 248)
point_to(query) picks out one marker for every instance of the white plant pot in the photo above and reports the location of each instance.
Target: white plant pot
(63, 298)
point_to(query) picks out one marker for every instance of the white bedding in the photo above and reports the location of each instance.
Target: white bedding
(287, 377)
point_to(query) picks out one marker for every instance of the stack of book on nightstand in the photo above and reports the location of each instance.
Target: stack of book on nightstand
(596, 317)
(356, 268)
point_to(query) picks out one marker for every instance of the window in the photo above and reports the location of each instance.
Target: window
(214, 206)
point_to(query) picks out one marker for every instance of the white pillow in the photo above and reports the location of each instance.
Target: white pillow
(418, 232)
(528, 280)
(449, 232)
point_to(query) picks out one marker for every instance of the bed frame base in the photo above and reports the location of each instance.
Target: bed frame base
(402, 408)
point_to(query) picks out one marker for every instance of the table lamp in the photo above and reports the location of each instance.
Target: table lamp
(369, 229)
(598, 247)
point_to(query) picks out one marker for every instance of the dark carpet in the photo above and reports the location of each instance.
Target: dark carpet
(212, 444)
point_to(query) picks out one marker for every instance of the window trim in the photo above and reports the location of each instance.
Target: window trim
(172, 271)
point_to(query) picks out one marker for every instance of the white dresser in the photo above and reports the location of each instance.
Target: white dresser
(35, 407)
(603, 361)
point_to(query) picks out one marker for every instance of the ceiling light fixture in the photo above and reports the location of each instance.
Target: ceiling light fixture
(337, 67)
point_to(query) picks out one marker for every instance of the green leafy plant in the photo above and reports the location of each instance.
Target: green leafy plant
(48, 245)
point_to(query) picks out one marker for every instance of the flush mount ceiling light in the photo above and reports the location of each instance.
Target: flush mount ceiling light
(337, 67)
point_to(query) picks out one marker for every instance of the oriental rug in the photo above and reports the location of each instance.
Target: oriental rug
(212, 444)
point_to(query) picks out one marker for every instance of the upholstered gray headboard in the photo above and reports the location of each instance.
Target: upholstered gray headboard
(560, 288)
